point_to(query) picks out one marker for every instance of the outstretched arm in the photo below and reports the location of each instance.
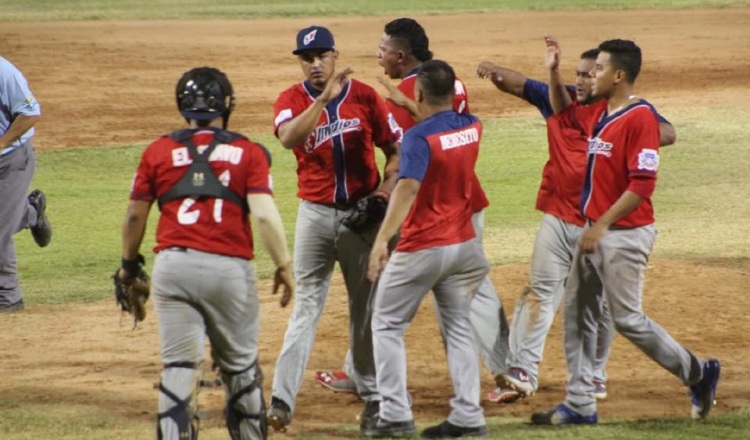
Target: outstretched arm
(558, 96)
(506, 80)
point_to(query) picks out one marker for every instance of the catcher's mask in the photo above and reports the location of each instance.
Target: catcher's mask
(205, 93)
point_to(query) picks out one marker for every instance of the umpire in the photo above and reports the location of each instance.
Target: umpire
(206, 180)
(19, 112)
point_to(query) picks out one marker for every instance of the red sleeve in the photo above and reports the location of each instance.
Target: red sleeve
(643, 151)
(144, 183)
(385, 129)
(259, 170)
(461, 98)
(283, 110)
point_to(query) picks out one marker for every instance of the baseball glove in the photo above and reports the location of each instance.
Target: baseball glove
(367, 213)
(132, 293)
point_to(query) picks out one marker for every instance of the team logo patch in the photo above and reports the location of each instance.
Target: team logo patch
(648, 160)
(309, 38)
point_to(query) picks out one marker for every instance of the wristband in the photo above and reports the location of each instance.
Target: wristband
(131, 266)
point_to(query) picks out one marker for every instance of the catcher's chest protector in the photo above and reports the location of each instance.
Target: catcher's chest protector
(199, 179)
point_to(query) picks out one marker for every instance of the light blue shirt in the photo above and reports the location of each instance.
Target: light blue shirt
(15, 99)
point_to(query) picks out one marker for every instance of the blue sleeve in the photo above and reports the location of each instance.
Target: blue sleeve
(16, 96)
(415, 156)
(537, 94)
(659, 117)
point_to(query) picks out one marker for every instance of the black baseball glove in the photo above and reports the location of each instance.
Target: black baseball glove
(367, 213)
(132, 293)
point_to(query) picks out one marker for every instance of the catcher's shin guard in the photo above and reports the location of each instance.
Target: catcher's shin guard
(246, 408)
(181, 414)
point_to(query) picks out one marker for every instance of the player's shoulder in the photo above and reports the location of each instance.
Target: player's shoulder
(358, 87)
(295, 91)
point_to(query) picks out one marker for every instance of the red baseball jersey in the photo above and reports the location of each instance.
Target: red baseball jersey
(440, 152)
(336, 163)
(623, 154)
(460, 105)
(207, 224)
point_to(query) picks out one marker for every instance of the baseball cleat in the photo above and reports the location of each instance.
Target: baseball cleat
(336, 381)
(703, 394)
(600, 390)
(449, 430)
(372, 409)
(563, 415)
(42, 231)
(503, 395)
(379, 428)
(517, 379)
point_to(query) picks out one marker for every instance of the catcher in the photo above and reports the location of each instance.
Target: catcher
(206, 181)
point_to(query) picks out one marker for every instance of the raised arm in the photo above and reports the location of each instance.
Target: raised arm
(295, 131)
(558, 96)
(506, 80)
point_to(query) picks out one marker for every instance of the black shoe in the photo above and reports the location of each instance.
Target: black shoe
(15, 307)
(372, 408)
(379, 428)
(42, 231)
(449, 430)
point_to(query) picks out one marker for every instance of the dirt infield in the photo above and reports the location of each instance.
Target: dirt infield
(111, 83)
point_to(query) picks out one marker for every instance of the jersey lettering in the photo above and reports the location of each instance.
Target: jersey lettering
(187, 217)
(598, 146)
(459, 139)
(340, 126)
(222, 153)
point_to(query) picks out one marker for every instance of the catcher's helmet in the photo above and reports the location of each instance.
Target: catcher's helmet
(205, 93)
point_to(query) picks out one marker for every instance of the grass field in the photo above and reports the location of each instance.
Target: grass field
(177, 9)
(702, 187)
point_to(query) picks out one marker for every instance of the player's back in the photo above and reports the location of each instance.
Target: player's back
(208, 224)
(442, 212)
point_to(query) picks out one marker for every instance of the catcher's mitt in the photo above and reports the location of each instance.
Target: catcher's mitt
(132, 293)
(367, 213)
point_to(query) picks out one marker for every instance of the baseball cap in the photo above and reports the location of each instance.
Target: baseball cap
(314, 38)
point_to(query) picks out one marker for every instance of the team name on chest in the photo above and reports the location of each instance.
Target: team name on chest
(222, 153)
(598, 146)
(325, 132)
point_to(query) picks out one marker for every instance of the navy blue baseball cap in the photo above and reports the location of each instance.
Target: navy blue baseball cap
(314, 38)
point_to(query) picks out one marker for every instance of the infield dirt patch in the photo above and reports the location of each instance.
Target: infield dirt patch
(111, 83)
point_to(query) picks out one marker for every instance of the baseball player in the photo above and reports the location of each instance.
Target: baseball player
(558, 233)
(403, 47)
(611, 257)
(206, 180)
(332, 124)
(433, 205)
(19, 112)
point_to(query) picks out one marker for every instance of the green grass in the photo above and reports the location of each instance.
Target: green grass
(179, 9)
(78, 421)
(700, 201)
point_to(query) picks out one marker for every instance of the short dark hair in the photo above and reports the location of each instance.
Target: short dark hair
(590, 54)
(624, 55)
(411, 37)
(437, 80)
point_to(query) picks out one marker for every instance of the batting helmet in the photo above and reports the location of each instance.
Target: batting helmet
(205, 93)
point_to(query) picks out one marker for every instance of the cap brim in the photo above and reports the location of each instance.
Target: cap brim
(313, 49)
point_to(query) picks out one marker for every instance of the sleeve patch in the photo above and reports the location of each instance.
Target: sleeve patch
(648, 160)
(283, 116)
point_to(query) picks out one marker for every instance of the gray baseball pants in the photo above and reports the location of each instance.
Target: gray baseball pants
(615, 272)
(197, 294)
(453, 274)
(488, 321)
(320, 241)
(555, 244)
(16, 171)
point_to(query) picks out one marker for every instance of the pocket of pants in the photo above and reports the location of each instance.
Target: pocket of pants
(16, 160)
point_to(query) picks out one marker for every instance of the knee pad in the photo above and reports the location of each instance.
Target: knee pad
(181, 414)
(245, 404)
